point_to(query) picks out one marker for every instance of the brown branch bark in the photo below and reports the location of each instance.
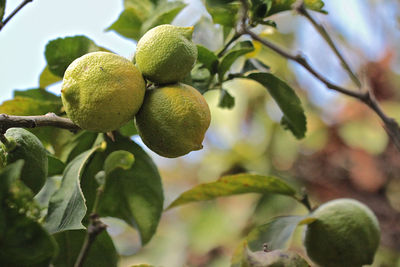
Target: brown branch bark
(50, 119)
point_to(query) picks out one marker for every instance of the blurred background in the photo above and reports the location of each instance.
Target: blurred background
(346, 152)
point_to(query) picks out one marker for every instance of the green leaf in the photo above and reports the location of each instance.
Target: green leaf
(293, 113)
(284, 5)
(254, 64)
(79, 143)
(232, 55)
(50, 187)
(38, 94)
(67, 206)
(24, 241)
(2, 8)
(276, 233)
(47, 78)
(207, 58)
(129, 129)
(26, 106)
(233, 185)
(118, 159)
(226, 100)
(56, 166)
(128, 24)
(223, 12)
(163, 14)
(142, 265)
(143, 6)
(102, 252)
(62, 51)
(134, 195)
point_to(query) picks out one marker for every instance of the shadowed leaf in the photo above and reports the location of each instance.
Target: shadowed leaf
(232, 55)
(293, 113)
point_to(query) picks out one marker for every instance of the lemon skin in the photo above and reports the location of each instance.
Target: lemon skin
(166, 54)
(346, 233)
(173, 120)
(22, 144)
(102, 91)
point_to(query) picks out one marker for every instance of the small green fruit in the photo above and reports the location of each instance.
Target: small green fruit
(22, 144)
(345, 233)
(166, 54)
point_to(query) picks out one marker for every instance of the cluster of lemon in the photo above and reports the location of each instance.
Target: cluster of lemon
(102, 91)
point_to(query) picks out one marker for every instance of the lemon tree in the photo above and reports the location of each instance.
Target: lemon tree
(198, 75)
(102, 91)
(173, 120)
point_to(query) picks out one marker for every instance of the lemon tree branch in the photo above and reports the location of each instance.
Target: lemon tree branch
(366, 96)
(50, 119)
(16, 10)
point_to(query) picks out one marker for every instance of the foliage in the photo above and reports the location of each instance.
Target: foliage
(109, 176)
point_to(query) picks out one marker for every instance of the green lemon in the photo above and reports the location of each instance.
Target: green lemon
(166, 54)
(22, 144)
(173, 120)
(346, 233)
(102, 91)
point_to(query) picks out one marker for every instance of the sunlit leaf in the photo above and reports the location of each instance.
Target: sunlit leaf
(233, 185)
(118, 159)
(25, 106)
(38, 94)
(293, 113)
(102, 252)
(134, 195)
(144, 6)
(276, 233)
(283, 5)
(128, 24)
(223, 12)
(128, 129)
(232, 55)
(67, 206)
(164, 13)
(48, 78)
(62, 51)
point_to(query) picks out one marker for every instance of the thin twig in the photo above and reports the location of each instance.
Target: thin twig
(234, 38)
(50, 119)
(16, 10)
(300, 8)
(391, 126)
(95, 227)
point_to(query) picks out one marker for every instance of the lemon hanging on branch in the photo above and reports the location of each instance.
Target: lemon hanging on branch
(102, 91)
(345, 233)
(173, 120)
(166, 54)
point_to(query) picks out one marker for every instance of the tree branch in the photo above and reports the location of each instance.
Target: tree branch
(16, 10)
(95, 227)
(50, 119)
(301, 9)
(391, 126)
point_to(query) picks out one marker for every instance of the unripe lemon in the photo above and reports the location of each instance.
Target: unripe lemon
(173, 120)
(22, 144)
(102, 91)
(346, 233)
(166, 54)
